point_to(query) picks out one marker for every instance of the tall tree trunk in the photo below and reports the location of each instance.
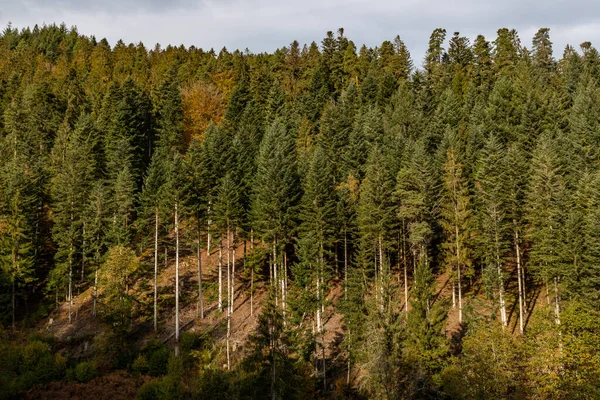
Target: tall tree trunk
(521, 283)
(458, 268)
(405, 262)
(406, 288)
(285, 285)
(233, 272)
(459, 297)
(345, 264)
(556, 301)
(321, 315)
(252, 274)
(503, 317)
(83, 254)
(453, 288)
(97, 262)
(221, 274)
(70, 282)
(155, 269)
(228, 299)
(275, 272)
(176, 277)
(381, 268)
(200, 312)
(228, 249)
(349, 354)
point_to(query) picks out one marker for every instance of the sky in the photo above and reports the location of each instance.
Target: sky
(265, 25)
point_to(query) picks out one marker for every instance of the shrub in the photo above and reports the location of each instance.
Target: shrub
(85, 371)
(158, 357)
(149, 391)
(141, 365)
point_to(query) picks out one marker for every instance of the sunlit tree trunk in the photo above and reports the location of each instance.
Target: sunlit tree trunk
(176, 276)
(520, 281)
(155, 269)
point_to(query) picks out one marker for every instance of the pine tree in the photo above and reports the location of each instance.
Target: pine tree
(275, 194)
(376, 215)
(491, 205)
(542, 50)
(544, 212)
(73, 169)
(153, 207)
(96, 221)
(15, 246)
(414, 193)
(116, 278)
(455, 219)
(318, 215)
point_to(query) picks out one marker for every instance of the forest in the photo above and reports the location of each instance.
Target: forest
(323, 221)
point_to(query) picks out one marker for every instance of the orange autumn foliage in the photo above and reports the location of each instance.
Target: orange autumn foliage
(205, 102)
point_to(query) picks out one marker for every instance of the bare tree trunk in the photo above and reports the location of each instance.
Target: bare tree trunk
(406, 288)
(275, 272)
(381, 267)
(459, 297)
(155, 269)
(229, 294)
(349, 366)
(228, 249)
(376, 275)
(405, 261)
(453, 289)
(252, 274)
(556, 302)
(345, 264)
(520, 281)
(233, 273)
(458, 272)
(208, 230)
(176, 277)
(503, 317)
(200, 312)
(96, 281)
(83, 254)
(70, 282)
(221, 274)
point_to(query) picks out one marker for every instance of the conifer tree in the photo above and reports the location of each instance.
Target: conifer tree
(544, 212)
(318, 215)
(275, 194)
(414, 193)
(492, 215)
(455, 219)
(73, 169)
(15, 245)
(376, 215)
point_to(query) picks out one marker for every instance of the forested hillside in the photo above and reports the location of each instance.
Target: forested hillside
(448, 215)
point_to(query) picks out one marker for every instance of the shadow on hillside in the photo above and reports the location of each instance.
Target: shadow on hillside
(456, 339)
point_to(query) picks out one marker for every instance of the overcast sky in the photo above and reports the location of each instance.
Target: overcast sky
(264, 25)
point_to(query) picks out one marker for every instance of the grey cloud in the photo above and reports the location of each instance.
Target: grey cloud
(264, 25)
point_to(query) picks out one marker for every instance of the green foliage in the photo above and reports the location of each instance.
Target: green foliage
(331, 155)
(85, 371)
(489, 366)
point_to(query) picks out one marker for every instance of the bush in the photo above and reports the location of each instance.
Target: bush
(140, 365)
(41, 363)
(149, 391)
(158, 357)
(112, 350)
(85, 371)
(191, 341)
